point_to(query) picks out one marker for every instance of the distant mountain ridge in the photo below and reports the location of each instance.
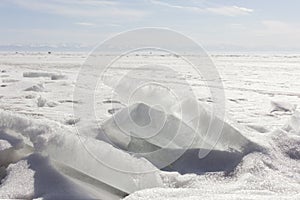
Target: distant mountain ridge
(45, 47)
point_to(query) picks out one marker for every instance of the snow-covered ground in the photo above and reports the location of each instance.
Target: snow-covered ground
(36, 116)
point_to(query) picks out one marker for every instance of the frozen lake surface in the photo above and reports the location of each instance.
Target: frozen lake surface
(36, 114)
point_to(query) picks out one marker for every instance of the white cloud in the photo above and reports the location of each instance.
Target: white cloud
(218, 10)
(84, 24)
(230, 10)
(176, 6)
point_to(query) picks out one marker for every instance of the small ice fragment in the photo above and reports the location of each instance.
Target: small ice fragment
(41, 101)
(282, 106)
(36, 88)
(58, 77)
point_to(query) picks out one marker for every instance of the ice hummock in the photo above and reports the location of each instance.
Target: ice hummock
(65, 147)
(273, 173)
(173, 144)
(282, 106)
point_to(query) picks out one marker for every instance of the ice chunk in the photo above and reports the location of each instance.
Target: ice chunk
(156, 127)
(35, 177)
(282, 106)
(30, 96)
(71, 120)
(37, 74)
(212, 128)
(36, 88)
(49, 183)
(169, 143)
(294, 123)
(141, 121)
(9, 80)
(95, 158)
(52, 104)
(58, 77)
(41, 101)
(258, 128)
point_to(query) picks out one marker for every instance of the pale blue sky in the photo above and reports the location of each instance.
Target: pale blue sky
(216, 24)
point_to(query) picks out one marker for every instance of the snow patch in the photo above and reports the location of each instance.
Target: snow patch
(4, 145)
(14, 187)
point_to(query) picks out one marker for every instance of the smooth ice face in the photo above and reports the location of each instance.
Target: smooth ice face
(142, 123)
(161, 130)
(210, 128)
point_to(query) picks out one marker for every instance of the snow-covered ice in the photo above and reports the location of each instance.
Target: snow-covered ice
(257, 156)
